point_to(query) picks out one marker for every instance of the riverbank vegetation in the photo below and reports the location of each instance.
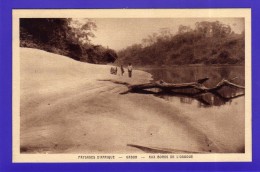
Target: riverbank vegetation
(65, 37)
(207, 43)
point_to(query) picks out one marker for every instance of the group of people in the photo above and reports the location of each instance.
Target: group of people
(113, 70)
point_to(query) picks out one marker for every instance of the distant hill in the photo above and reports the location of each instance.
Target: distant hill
(208, 43)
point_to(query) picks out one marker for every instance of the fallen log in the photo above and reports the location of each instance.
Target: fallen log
(172, 89)
(198, 85)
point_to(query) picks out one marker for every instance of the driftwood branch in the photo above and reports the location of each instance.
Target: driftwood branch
(172, 89)
(198, 85)
(161, 150)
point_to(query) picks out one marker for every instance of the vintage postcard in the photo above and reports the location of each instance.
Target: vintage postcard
(132, 85)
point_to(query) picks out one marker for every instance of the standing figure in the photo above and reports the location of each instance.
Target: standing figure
(111, 70)
(122, 70)
(115, 71)
(130, 69)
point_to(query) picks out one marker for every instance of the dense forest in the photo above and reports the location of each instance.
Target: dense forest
(66, 37)
(207, 43)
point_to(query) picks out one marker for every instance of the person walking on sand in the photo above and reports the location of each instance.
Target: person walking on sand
(130, 70)
(122, 70)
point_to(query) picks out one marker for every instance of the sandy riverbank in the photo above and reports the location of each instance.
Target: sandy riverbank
(66, 109)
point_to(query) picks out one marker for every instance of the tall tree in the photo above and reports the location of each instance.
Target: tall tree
(214, 29)
(70, 37)
(82, 30)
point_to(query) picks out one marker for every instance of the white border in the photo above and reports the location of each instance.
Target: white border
(132, 13)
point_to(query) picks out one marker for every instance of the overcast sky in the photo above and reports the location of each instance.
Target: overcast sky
(120, 33)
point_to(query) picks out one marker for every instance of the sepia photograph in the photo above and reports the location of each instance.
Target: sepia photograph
(132, 85)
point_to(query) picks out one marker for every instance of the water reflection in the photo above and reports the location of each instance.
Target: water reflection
(224, 96)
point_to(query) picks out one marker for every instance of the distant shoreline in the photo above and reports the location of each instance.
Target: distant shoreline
(192, 65)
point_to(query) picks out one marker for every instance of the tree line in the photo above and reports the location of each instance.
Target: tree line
(207, 43)
(66, 37)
